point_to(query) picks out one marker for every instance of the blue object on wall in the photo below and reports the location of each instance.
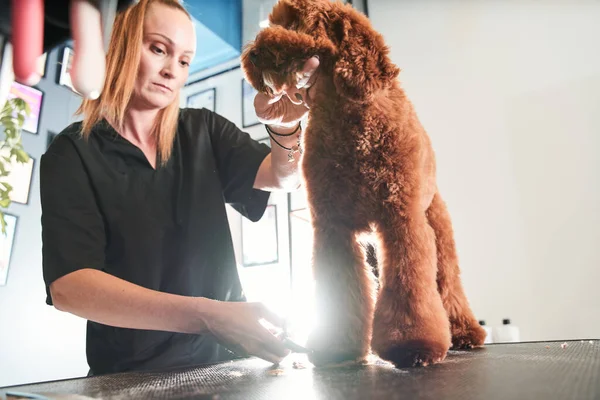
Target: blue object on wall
(218, 31)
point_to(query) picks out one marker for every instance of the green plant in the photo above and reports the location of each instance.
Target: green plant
(12, 118)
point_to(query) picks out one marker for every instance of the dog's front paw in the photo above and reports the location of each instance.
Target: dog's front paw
(408, 338)
(278, 54)
(466, 334)
(279, 50)
(412, 353)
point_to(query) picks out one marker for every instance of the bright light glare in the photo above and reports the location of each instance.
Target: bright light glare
(270, 284)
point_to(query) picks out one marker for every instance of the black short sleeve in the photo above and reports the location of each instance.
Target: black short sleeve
(73, 234)
(238, 158)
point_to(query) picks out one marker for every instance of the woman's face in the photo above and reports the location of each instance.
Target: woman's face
(168, 47)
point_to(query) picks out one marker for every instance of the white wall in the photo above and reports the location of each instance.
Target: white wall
(253, 12)
(509, 93)
(37, 342)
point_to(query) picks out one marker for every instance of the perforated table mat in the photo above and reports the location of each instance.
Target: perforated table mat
(541, 370)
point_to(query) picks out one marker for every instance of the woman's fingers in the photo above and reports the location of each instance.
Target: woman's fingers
(291, 103)
(273, 99)
(27, 18)
(264, 345)
(89, 64)
(235, 348)
(307, 72)
(273, 345)
(265, 354)
(269, 315)
(271, 342)
(246, 336)
(270, 357)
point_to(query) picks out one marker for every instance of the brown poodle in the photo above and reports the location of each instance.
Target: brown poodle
(368, 166)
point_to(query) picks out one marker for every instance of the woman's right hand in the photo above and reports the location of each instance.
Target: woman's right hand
(236, 326)
(126, 305)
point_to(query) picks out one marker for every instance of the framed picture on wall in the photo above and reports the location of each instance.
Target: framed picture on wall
(42, 63)
(6, 246)
(64, 72)
(249, 117)
(3, 58)
(3, 41)
(260, 241)
(20, 179)
(204, 99)
(34, 98)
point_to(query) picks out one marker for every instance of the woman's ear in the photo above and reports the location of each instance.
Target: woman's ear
(363, 66)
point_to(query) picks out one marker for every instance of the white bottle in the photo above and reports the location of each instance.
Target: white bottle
(488, 331)
(506, 333)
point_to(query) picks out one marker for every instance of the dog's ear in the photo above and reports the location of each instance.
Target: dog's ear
(286, 14)
(297, 14)
(363, 66)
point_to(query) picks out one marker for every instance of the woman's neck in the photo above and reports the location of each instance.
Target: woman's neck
(137, 129)
(137, 126)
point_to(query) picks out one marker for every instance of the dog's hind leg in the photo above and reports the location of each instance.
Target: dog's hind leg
(410, 326)
(344, 296)
(466, 332)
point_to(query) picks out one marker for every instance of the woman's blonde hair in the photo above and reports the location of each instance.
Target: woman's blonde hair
(122, 63)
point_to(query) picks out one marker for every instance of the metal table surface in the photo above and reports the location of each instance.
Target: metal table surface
(540, 370)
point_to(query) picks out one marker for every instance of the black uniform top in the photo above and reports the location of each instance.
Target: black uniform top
(105, 207)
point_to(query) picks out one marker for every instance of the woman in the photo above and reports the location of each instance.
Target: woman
(135, 234)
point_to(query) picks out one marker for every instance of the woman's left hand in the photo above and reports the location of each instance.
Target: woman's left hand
(285, 109)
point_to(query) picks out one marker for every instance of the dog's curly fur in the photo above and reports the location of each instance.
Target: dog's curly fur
(368, 166)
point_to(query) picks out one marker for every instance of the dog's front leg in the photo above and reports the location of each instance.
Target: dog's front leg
(410, 326)
(344, 296)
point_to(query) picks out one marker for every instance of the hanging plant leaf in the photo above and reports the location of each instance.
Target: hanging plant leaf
(12, 119)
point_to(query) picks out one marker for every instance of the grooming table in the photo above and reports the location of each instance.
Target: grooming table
(540, 370)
